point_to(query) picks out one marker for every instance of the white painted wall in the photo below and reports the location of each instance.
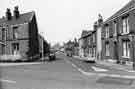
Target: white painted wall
(99, 41)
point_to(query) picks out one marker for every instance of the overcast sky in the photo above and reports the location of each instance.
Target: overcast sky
(63, 20)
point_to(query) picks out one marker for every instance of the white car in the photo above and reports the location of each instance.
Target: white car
(91, 59)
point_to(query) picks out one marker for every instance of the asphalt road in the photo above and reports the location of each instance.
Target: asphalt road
(58, 74)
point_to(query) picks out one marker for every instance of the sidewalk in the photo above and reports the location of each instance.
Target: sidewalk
(112, 64)
(126, 67)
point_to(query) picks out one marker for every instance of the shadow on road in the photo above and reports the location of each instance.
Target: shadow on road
(56, 59)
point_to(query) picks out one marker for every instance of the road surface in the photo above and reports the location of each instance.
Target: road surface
(63, 73)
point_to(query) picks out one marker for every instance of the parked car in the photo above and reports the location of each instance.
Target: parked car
(91, 59)
(52, 55)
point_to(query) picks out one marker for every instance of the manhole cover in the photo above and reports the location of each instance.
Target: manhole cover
(112, 80)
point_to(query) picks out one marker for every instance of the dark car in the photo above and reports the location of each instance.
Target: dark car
(52, 55)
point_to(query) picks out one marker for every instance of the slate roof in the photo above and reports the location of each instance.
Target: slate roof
(128, 6)
(85, 33)
(23, 18)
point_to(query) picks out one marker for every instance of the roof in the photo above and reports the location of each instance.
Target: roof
(128, 6)
(85, 33)
(23, 18)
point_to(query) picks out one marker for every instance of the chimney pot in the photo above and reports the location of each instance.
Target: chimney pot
(16, 12)
(8, 14)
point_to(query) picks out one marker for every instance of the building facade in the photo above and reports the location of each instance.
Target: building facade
(84, 44)
(117, 34)
(19, 34)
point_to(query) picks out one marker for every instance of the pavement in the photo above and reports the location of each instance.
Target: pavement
(110, 63)
(64, 73)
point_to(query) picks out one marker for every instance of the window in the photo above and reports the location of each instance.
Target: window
(89, 41)
(107, 31)
(15, 48)
(15, 33)
(94, 52)
(126, 50)
(107, 49)
(93, 38)
(3, 49)
(115, 28)
(3, 34)
(125, 25)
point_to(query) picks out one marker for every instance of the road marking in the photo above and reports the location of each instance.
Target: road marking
(16, 64)
(7, 81)
(99, 69)
(100, 74)
(130, 71)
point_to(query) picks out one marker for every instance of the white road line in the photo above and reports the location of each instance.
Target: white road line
(16, 64)
(101, 74)
(99, 69)
(130, 71)
(7, 81)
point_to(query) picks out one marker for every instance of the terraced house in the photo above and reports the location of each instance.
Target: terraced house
(84, 42)
(19, 34)
(118, 33)
(90, 44)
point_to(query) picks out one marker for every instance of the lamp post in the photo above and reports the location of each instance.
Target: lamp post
(132, 46)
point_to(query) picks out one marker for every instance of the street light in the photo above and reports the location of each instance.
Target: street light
(132, 38)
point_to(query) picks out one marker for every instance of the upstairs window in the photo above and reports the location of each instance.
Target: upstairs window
(15, 33)
(115, 28)
(94, 40)
(125, 25)
(3, 34)
(107, 31)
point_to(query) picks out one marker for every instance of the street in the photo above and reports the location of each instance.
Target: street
(64, 73)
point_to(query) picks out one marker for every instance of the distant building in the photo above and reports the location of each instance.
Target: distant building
(83, 43)
(19, 34)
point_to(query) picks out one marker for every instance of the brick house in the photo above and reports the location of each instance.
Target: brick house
(19, 34)
(84, 41)
(92, 44)
(116, 34)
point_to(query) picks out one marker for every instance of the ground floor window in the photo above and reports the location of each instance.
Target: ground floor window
(3, 49)
(90, 52)
(15, 48)
(94, 52)
(126, 49)
(107, 50)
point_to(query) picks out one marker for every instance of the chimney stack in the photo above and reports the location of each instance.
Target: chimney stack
(100, 19)
(8, 14)
(16, 12)
(95, 25)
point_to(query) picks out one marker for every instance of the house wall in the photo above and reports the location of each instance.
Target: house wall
(33, 38)
(120, 38)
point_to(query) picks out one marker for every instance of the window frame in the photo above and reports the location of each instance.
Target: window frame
(107, 49)
(126, 49)
(125, 25)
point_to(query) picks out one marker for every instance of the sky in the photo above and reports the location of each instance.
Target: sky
(63, 20)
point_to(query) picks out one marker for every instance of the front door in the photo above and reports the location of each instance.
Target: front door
(116, 55)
